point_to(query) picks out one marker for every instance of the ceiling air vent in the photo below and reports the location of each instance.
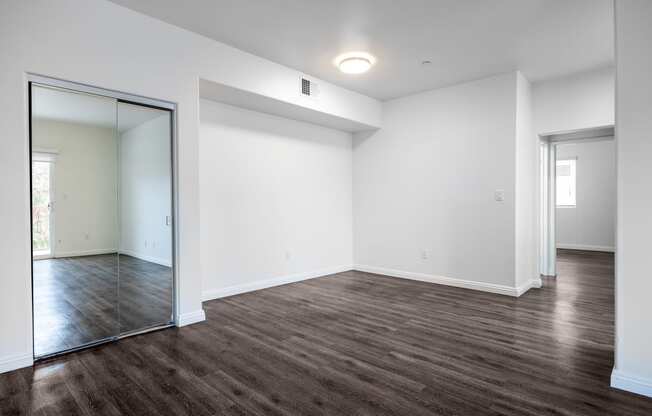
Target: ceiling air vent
(305, 86)
(308, 88)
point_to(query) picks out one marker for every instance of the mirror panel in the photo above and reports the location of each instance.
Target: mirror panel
(145, 212)
(74, 150)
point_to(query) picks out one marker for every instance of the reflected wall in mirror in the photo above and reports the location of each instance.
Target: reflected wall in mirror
(102, 231)
(145, 194)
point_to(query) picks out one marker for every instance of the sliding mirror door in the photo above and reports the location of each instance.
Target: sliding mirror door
(146, 283)
(74, 153)
(102, 225)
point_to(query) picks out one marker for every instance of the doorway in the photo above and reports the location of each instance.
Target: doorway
(109, 270)
(577, 209)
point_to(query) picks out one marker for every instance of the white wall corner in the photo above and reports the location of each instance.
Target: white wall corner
(633, 384)
(190, 318)
(15, 362)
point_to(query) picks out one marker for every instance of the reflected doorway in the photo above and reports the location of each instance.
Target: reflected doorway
(42, 204)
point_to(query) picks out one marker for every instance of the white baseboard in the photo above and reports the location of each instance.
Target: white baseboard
(191, 318)
(535, 283)
(449, 281)
(586, 247)
(15, 362)
(630, 383)
(157, 260)
(211, 294)
(81, 253)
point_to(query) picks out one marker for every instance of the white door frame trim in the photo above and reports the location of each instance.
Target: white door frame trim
(547, 210)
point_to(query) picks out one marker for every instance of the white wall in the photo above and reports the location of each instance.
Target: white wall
(426, 182)
(105, 45)
(85, 176)
(145, 191)
(579, 101)
(276, 198)
(633, 369)
(591, 224)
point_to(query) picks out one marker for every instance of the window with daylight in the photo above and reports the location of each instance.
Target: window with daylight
(566, 183)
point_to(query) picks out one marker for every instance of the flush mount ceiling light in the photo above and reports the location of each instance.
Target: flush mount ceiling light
(355, 62)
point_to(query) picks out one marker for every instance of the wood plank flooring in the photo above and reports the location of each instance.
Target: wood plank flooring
(78, 300)
(357, 344)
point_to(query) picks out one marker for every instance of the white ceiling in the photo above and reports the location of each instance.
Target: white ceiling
(60, 105)
(464, 39)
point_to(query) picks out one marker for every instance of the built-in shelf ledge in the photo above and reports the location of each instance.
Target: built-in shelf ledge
(251, 101)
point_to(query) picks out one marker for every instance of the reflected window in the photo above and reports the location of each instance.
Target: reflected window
(567, 183)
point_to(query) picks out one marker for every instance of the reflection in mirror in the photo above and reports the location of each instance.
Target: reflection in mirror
(145, 213)
(74, 219)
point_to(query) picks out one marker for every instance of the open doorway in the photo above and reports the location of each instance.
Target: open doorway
(578, 200)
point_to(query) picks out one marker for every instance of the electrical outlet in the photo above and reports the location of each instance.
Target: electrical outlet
(145, 243)
(499, 195)
(87, 236)
(288, 255)
(425, 255)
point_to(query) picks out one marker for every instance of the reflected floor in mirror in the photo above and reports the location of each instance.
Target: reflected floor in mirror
(76, 299)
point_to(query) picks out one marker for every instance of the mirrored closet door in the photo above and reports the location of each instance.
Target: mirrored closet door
(102, 232)
(145, 213)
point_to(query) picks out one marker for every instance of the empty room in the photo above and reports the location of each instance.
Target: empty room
(349, 207)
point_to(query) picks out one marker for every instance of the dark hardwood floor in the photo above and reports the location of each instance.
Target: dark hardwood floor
(357, 344)
(78, 300)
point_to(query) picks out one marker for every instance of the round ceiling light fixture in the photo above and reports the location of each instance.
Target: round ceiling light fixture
(355, 62)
